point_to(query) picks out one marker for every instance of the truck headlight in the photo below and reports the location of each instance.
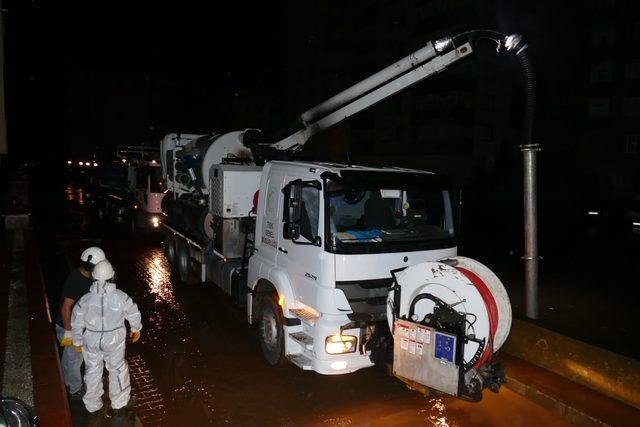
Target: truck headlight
(339, 344)
(155, 221)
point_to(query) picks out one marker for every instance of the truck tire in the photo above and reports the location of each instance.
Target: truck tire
(133, 226)
(170, 250)
(271, 331)
(183, 261)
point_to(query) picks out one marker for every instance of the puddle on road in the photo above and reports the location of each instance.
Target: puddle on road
(337, 422)
(74, 194)
(168, 344)
(436, 412)
(155, 273)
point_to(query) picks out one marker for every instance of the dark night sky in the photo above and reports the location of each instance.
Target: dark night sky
(85, 75)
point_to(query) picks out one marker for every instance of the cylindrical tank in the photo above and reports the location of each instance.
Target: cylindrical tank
(195, 159)
(187, 217)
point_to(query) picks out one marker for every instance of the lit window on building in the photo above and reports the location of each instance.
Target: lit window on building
(599, 108)
(632, 144)
(601, 72)
(635, 32)
(602, 37)
(632, 70)
(600, 5)
(631, 106)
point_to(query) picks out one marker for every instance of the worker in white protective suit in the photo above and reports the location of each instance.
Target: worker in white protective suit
(99, 330)
(77, 284)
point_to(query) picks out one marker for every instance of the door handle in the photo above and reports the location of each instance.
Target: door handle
(284, 251)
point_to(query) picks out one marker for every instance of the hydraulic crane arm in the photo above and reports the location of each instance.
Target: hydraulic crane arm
(431, 59)
(371, 91)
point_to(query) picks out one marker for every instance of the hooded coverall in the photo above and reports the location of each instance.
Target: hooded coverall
(98, 326)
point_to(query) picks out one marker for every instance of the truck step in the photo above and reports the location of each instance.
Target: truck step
(303, 339)
(300, 360)
(305, 315)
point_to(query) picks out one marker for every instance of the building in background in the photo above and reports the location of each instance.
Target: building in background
(609, 152)
(3, 123)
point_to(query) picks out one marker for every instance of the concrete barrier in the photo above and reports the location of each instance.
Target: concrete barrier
(601, 370)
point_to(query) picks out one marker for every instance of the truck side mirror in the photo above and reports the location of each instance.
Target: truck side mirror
(291, 212)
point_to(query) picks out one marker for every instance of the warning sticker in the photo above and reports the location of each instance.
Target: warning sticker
(412, 334)
(412, 347)
(404, 344)
(419, 349)
(405, 332)
(424, 335)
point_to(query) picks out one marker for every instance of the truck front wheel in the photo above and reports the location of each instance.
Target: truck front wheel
(271, 331)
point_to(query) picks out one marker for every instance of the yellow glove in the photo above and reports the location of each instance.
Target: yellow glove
(78, 348)
(66, 340)
(135, 336)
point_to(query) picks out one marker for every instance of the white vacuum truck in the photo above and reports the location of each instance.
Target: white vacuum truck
(340, 266)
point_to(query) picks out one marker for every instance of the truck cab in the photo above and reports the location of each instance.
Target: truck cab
(132, 189)
(148, 191)
(327, 237)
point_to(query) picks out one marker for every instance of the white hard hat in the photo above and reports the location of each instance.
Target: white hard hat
(103, 271)
(92, 255)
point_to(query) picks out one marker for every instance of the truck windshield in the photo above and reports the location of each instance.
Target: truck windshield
(371, 211)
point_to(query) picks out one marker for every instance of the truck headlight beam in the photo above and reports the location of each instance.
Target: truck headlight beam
(340, 344)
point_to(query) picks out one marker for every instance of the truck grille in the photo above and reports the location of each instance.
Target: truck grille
(367, 298)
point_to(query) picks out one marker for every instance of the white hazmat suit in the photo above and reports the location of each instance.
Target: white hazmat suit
(98, 326)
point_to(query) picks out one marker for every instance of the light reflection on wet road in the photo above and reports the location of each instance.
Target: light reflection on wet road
(208, 365)
(157, 276)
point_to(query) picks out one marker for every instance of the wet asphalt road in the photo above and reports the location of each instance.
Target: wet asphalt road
(199, 363)
(205, 359)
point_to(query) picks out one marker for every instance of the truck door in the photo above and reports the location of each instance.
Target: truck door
(300, 255)
(267, 237)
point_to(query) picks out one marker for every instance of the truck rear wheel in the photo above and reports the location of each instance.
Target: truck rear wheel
(133, 226)
(183, 261)
(271, 331)
(170, 249)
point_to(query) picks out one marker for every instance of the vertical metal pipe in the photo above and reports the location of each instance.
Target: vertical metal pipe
(529, 161)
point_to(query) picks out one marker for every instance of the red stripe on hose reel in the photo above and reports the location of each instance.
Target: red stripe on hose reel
(492, 310)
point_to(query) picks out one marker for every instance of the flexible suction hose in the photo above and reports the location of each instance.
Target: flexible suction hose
(530, 94)
(511, 43)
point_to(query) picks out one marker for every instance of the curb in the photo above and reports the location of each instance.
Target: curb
(562, 409)
(565, 398)
(606, 372)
